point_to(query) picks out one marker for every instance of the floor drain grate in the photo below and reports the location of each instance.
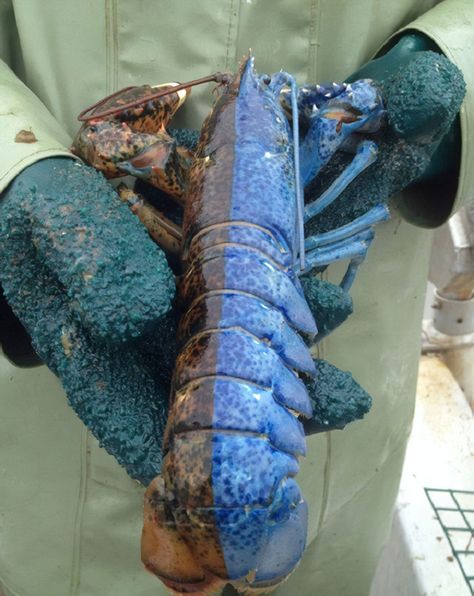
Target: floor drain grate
(455, 512)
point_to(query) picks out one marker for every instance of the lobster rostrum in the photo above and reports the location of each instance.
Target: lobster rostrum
(226, 507)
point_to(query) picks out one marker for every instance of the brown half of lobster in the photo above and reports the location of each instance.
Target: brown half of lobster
(125, 134)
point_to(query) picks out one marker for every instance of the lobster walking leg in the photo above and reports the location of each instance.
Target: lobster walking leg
(164, 232)
(350, 241)
(354, 247)
(349, 276)
(376, 215)
(366, 155)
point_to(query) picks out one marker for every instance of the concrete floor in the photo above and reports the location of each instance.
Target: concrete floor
(418, 560)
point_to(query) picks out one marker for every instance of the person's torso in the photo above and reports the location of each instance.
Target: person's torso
(74, 53)
(69, 516)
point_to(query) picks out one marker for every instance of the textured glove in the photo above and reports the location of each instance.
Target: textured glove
(421, 143)
(93, 291)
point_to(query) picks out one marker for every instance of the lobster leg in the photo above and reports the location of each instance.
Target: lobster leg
(354, 247)
(346, 239)
(164, 232)
(366, 155)
(351, 272)
(373, 216)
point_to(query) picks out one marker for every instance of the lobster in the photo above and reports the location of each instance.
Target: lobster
(227, 507)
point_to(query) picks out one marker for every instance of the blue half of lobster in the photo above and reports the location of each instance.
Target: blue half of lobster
(226, 507)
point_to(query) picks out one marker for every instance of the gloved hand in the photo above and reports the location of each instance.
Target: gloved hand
(421, 143)
(93, 291)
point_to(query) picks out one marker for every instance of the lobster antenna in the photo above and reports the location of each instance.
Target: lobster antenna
(299, 192)
(85, 115)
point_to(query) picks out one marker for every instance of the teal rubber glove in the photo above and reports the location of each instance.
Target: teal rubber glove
(93, 292)
(420, 120)
(420, 145)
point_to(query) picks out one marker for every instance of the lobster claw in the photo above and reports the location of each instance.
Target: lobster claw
(161, 165)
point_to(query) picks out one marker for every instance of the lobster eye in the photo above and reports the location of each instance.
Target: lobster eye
(266, 79)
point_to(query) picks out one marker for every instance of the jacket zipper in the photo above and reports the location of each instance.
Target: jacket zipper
(111, 46)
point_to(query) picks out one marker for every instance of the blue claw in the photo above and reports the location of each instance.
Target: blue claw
(358, 108)
(312, 97)
(354, 108)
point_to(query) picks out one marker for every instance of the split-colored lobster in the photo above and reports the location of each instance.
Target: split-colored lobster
(227, 507)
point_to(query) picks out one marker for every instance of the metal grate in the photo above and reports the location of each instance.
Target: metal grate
(455, 512)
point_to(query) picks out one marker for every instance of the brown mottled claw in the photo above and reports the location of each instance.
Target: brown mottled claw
(161, 165)
(125, 133)
(151, 116)
(98, 144)
(116, 150)
(164, 232)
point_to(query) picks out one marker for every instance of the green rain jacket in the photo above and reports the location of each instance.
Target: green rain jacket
(70, 517)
